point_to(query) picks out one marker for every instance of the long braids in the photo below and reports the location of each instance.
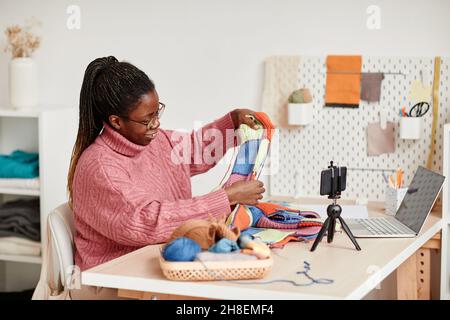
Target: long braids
(109, 88)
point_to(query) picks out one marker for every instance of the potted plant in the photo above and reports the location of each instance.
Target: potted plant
(300, 107)
(23, 73)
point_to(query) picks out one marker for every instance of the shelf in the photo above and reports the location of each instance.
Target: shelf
(19, 113)
(28, 112)
(20, 258)
(20, 192)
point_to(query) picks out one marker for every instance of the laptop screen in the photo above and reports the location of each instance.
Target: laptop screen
(419, 198)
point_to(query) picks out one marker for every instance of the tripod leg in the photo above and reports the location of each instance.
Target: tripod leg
(349, 233)
(320, 234)
(331, 228)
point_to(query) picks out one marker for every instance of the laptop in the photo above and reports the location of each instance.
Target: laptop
(410, 216)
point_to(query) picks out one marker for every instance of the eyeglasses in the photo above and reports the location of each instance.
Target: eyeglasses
(151, 123)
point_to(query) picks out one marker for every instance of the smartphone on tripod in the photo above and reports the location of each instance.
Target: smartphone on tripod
(333, 181)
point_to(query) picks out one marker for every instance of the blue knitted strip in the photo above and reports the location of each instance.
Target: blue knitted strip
(246, 156)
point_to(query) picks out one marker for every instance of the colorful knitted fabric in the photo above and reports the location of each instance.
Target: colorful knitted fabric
(272, 223)
(253, 150)
(275, 224)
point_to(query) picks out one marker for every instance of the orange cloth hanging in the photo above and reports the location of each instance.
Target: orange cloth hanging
(343, 85)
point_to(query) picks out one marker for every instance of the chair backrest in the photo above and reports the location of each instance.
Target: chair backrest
(62, 231)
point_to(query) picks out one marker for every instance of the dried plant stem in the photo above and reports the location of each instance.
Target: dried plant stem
(21, 42)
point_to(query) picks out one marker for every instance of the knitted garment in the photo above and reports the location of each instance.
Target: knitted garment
(253, 150)
(126, 196)
(293, 224)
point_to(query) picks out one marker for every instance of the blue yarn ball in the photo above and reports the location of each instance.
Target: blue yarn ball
(181, 249)
(244, 239)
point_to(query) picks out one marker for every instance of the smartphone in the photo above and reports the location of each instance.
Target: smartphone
(335, 177)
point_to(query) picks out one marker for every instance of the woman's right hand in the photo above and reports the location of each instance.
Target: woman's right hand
(245, 192)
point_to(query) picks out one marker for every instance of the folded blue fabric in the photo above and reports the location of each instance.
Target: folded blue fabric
(19, 164)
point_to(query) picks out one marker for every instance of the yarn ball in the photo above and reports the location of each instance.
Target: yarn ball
(205, 233)
(244, 240)
(300, 96)
(250, 245)
(224, 245)
(181, 249)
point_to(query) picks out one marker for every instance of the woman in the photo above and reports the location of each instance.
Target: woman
(125, 188)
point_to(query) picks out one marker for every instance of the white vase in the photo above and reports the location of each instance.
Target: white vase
(23, 83)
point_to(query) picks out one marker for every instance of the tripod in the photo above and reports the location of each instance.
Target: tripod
(332, 183)
(334, 212)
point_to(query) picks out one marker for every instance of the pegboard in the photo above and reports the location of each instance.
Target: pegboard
(339, 134)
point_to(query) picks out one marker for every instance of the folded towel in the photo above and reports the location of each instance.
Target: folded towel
(19, 164)
(343, 84)
(20, 218)
(19, 246)
(17, 183)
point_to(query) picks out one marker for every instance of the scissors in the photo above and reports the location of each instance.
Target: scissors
(419, 109)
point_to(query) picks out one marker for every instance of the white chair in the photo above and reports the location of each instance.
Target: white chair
(62, 231)
(58, 271)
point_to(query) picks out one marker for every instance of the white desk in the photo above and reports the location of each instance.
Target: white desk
(355, 273)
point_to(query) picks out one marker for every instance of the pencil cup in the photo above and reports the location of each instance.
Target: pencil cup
(410, 128)
(300, 114)
(394, 198)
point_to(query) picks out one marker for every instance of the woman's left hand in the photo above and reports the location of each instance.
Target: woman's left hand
(244, 116)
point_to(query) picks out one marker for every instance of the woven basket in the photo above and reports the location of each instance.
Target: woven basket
(216, 270)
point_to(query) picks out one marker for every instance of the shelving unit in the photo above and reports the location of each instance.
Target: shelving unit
(445, 241)
(21, 258)
(20, 192)
(50, 131)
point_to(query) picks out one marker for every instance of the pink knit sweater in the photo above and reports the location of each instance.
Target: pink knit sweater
(126, 196)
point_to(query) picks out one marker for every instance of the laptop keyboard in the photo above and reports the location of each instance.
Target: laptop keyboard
(382, 226)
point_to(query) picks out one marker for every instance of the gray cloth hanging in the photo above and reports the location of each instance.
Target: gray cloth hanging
(20, 218)
(371, 86)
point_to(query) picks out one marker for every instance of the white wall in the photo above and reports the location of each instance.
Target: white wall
(206, 56)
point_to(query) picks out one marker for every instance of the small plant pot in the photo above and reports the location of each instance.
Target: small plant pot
(410, 128)
(300, 114)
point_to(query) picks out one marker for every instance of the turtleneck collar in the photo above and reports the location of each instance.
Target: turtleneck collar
(119, 143)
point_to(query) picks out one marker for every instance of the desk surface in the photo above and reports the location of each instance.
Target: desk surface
(354, 273)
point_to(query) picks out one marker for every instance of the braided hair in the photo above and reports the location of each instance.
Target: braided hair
(109, 88)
